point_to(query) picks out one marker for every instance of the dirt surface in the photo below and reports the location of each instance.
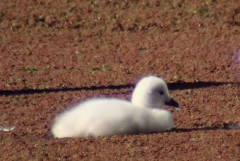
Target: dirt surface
(56, 53)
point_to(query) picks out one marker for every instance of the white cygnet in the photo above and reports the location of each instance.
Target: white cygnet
(110, 116)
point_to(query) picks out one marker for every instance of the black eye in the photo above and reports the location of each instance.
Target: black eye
(161, 92)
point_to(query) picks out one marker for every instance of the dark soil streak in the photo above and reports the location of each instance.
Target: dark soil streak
(171, 86)
(224, 126)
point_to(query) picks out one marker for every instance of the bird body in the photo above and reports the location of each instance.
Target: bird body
(111, 116)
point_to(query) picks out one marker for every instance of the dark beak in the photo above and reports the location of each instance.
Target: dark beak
(172, 103)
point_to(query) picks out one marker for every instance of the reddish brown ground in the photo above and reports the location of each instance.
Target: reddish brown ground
(65, 49)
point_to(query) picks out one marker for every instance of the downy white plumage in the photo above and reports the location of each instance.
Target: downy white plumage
(110, 116)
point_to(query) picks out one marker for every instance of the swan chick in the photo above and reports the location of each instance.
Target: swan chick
(111, 116)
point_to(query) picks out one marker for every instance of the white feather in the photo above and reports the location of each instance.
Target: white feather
(109, 116)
